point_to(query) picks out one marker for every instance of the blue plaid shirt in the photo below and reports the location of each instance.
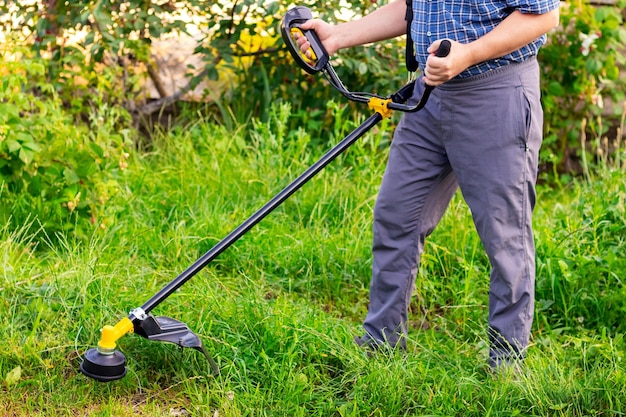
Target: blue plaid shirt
(467, 20)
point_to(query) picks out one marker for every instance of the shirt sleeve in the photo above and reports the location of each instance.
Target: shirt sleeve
(534, 7)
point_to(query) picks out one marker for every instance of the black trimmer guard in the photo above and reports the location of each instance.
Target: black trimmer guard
(167, 329)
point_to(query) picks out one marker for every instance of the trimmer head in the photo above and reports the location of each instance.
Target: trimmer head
(106, 364)
(104, 367)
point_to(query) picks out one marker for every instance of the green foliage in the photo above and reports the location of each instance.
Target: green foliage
(241, 38)
(241, 44)
(53, 168)
(582, 76)
(86, 45)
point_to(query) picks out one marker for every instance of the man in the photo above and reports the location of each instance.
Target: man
(481, 130)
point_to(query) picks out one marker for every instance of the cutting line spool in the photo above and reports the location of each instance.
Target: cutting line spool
(104, 367)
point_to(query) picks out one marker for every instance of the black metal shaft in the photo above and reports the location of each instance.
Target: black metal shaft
(262, 212)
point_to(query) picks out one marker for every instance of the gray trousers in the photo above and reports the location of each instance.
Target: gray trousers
(481, 134)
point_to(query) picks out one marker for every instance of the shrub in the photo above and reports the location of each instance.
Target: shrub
(54, 167)
(581, 78)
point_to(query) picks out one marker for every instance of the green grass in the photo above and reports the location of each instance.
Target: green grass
(278, 310)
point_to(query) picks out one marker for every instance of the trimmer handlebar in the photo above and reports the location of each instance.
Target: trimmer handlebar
(317, 60)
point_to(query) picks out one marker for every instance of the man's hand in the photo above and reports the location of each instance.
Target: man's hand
(441, 69)
(367, 29)
(325, 33)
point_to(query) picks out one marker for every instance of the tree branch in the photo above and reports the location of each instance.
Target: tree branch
(152, 107)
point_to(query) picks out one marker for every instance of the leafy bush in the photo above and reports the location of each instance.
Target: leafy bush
(53, 167)
(247, 41)
(81, 39)
(581, 67)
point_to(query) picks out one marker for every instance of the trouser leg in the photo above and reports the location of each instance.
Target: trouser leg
(494, 152)
(416, 189)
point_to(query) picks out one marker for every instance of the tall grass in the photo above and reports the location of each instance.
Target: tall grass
(278, 310)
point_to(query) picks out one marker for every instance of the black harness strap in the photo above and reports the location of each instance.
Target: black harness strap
(411, 62)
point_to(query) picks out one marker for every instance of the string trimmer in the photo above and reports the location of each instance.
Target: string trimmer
(105, 362)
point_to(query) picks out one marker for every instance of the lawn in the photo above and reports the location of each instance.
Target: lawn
(279, 308)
